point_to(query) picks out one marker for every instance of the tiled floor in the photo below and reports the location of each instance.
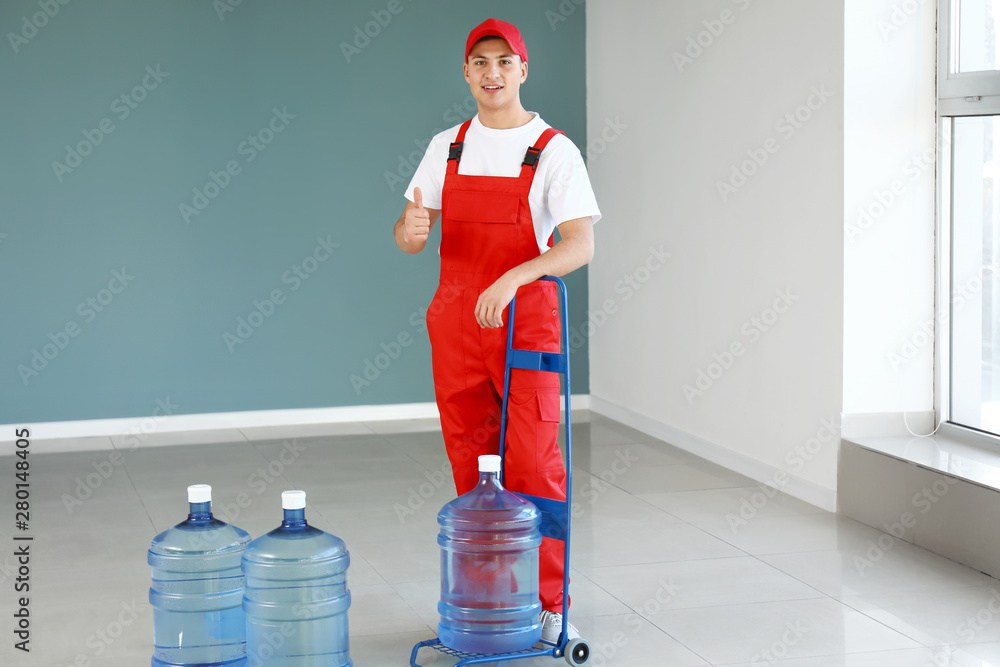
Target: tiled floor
(666, 569)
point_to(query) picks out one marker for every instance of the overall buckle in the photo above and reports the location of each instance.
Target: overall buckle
(531, 157)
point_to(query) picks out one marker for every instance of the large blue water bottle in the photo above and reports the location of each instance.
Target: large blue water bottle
(296, 598)
(197, 589)
(489, 568)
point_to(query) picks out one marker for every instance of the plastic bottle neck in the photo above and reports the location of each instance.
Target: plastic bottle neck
(200, 511)
(489, 479)
(294, 518)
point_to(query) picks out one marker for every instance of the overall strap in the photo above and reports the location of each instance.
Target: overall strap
(455, 149)
(535, 152)
(531, 158)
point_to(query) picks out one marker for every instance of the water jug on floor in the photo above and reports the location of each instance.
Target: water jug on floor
(197, 589)
(489, 568)
(296, 598)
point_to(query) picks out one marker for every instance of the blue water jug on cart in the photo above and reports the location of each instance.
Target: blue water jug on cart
(296, 597)
(197, 589)
(489, 568)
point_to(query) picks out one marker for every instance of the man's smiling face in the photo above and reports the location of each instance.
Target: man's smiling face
(495, 74)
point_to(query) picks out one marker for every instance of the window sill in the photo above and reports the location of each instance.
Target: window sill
(953, 451)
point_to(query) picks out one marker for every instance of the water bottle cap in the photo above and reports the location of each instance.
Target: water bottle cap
(199, 493)
(293, 500)
(489, 463)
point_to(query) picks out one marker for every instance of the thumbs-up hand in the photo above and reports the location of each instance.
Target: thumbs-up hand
(417, 220)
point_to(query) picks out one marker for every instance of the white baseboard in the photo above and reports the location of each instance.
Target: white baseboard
(802, 489)
(97, 428)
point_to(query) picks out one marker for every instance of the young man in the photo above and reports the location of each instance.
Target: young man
(499, 203)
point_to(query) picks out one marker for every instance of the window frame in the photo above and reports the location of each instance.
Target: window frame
(959, 94)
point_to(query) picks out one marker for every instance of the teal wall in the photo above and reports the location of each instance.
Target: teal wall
(335, 171)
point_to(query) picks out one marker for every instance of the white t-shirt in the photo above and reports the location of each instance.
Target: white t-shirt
(561, 189)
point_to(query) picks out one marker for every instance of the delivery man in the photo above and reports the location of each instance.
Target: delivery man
(500, 184)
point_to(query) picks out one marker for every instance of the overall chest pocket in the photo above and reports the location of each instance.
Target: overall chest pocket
(481, 228)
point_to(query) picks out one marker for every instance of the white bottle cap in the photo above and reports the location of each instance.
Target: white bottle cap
(489, 463)
(199, 493)
(293, 500)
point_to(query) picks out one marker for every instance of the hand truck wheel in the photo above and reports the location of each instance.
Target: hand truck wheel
(578, 652)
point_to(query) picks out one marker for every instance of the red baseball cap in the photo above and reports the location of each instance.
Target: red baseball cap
(497, 28)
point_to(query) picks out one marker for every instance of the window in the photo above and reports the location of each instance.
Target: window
(969, 169)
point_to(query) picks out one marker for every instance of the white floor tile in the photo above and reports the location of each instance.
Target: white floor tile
(628, 640)
(740, 503)
(967, 615)
(758, 633)
(784, 534)
(653, 588)
(874, 570)
(918, 657)
(378, 610)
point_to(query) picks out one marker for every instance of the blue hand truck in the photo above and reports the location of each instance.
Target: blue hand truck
(556, 516)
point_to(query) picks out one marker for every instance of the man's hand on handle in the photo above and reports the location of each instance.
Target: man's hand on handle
(574, 250)
(491, 303)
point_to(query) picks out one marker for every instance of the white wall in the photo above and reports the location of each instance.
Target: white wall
(889, 143)
(688, 126)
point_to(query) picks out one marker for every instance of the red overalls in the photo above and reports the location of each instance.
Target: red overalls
(486, 230)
